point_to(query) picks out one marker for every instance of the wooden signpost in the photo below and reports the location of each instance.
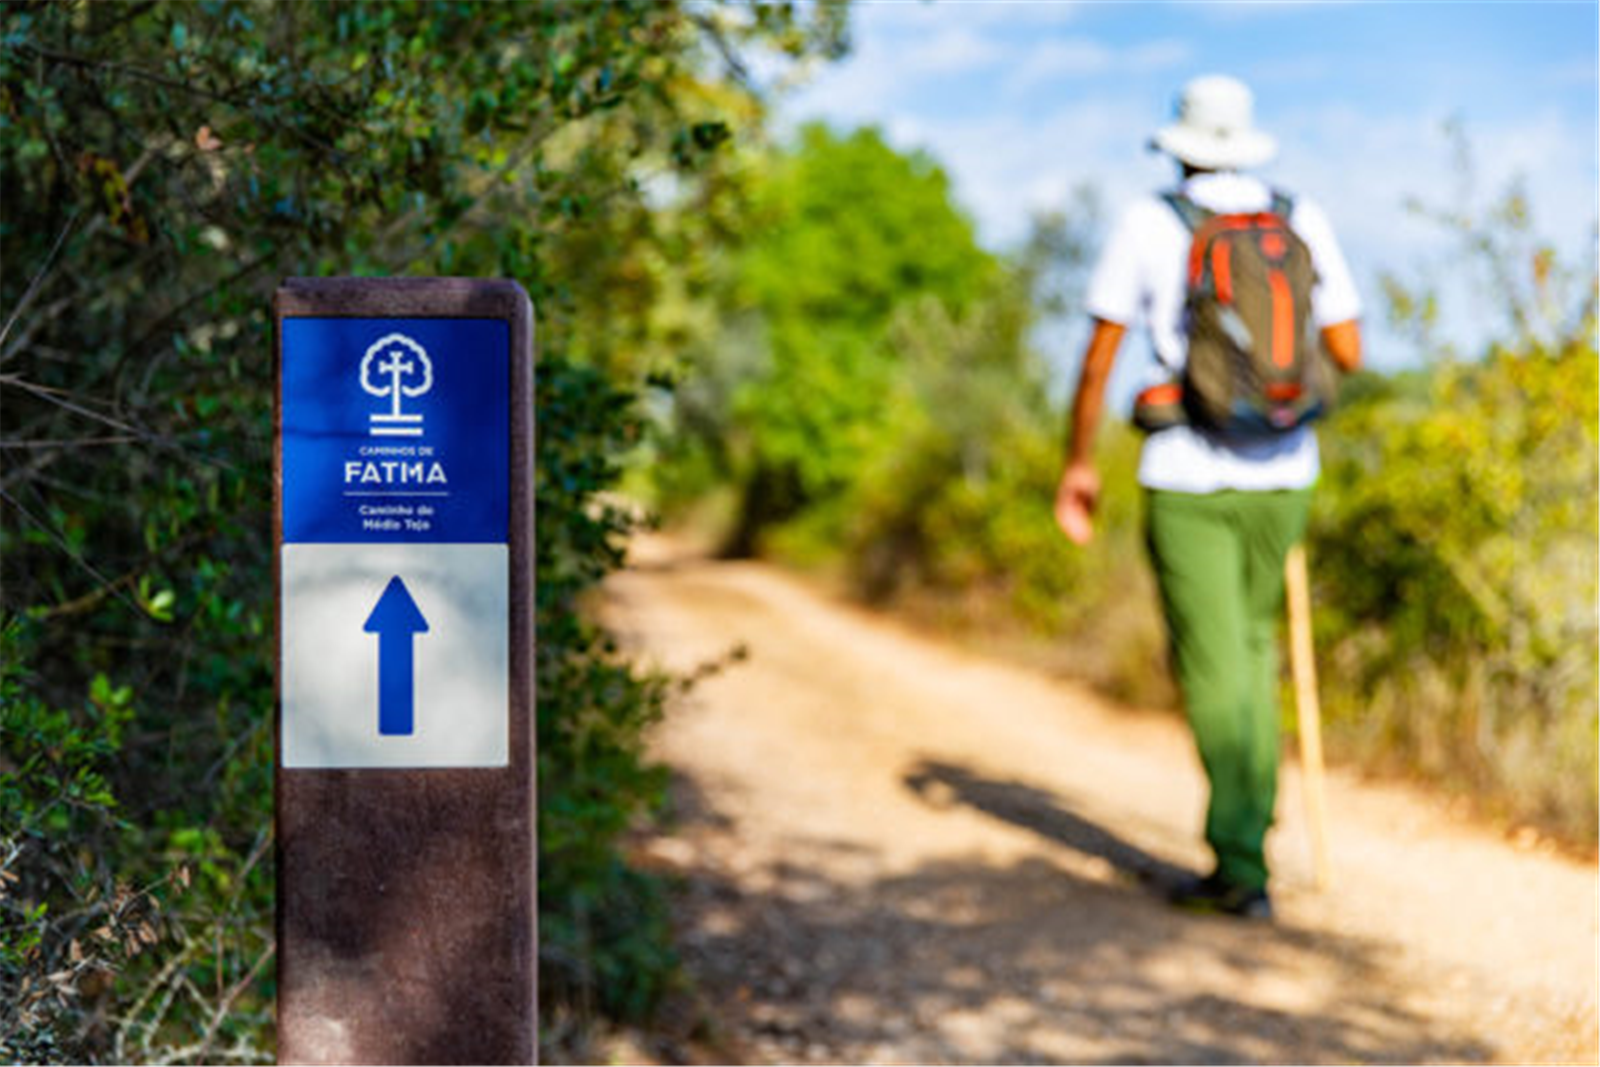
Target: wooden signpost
(404, 569)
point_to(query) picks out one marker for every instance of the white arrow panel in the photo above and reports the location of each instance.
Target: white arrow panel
(460, 666)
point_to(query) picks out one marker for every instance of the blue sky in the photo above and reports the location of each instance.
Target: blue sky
(1025, 101)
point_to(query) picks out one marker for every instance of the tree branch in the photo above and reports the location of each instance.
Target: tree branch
(38, 278)
(225, 1005)
(60, 542)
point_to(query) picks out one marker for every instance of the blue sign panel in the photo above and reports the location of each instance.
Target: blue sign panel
(396, 430)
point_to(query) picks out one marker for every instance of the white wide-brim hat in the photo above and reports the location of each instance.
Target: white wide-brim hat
(1215, 129)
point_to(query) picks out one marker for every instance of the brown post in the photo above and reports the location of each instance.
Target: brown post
(406, 811)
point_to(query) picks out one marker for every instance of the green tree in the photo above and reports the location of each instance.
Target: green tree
(846, 233)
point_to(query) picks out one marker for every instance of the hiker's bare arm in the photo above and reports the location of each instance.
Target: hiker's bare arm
(1080, 484)
(1342, 341)
(1089, 402)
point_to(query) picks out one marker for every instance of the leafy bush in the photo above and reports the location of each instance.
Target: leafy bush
(603, 928)
(784, 399)
(1455, 549)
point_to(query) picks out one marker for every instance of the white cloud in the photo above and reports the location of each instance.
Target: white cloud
(877, 15)
(862, 90)
(1006, 166)
(1584, 73)
(899, 50)
(1238, 10)
(1072, 57)
(1063, 59)
(1158, 55)
(1270, 74)
(951, 49)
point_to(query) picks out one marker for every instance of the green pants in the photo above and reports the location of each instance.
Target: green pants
(1218, 560)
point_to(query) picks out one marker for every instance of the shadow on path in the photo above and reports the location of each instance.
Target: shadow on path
(1035, 809)
(825, 956)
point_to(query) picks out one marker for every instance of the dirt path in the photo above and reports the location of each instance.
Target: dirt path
(895, 851)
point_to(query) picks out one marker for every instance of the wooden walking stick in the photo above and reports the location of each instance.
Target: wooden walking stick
(1308, 711)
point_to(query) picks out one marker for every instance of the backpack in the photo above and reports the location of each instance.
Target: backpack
(1255, 366)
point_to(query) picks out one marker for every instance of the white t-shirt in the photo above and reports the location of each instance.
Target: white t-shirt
(1139, 279)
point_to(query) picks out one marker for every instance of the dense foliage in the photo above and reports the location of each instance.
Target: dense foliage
(785, 398)
(603, 936)
(162, 165)
(1456, 563)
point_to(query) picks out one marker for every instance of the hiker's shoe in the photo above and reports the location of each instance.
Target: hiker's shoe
(1214, 894)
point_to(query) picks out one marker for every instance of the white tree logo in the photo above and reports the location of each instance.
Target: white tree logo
(396, 366)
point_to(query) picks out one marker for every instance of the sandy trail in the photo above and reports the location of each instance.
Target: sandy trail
(896, 851)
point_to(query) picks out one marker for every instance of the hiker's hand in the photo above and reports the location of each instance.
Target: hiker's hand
(1075, 502)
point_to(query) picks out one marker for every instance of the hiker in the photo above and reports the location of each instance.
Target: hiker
(1210, 268)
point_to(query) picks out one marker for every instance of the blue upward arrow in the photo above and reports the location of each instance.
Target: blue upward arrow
(395, 620)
